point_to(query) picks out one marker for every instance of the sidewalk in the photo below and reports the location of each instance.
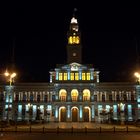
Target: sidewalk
(71, 127)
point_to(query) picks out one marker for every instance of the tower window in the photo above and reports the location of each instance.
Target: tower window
(74, 40)
(65, 76)
(83, 76)
(60, 76)
(88, 76)
(76, 76)
(72, 76)
(70, 40)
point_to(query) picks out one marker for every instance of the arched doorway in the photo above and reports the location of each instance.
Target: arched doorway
(86, 114)
(63, 114)
(74, 114)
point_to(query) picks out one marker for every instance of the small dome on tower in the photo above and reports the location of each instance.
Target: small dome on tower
(74, 20)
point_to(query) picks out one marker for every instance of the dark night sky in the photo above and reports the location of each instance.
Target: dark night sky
(109, 37)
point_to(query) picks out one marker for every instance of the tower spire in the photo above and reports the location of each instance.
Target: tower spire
(74, 12)
(74, 41)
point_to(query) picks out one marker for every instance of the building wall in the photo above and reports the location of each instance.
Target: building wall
(103, 101)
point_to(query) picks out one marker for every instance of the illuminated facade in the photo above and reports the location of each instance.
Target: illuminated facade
(74, 93)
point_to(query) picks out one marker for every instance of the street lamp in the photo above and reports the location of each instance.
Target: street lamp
(11, 76)
(30, 112)
(121, 107)
(11, 79)
(137, 75)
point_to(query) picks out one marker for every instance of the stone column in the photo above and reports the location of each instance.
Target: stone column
(92, 113)
(56, 113)
(80, 113)
(68, 113)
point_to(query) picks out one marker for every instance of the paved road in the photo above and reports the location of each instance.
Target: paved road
(95, 136)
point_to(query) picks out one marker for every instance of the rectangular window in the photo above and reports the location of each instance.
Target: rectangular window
(124, 97)
(60, 76)
(110, 97)
(88, 76)
(53, 98)
(65, 76)
(103, 98)
(31, 98)
(38, 98)
(118, 98)
(72, 76)
(95, 97)
(132, 97)
(17, 98)
(76, 76)
(45, 98)
(83, 76)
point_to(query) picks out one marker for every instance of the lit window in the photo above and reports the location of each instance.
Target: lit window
(74, 40)
(83, 76)
(77, 40)
(72, 76)
(60, 76)
(74, 95)
(76, 76)
(63, 95)
(86, 95)
(65, 76)
(70, 40)
(88, 76)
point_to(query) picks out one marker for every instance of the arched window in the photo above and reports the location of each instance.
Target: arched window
(74, 95)
(86, 95)
(62, 94)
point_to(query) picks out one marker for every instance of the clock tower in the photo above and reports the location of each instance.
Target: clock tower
(74, 50)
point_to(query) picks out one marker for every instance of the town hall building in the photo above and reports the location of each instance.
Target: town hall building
(74, 93)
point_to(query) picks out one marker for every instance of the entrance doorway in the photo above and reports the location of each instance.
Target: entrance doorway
(86, 115)
(63, 114)
(74, 114)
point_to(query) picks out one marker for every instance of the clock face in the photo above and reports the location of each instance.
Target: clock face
(74, 54)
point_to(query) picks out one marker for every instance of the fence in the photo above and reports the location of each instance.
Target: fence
(57, 130)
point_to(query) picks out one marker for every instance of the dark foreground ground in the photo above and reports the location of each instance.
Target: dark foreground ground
(95, 136)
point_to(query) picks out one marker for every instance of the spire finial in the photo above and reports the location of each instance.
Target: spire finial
(74, 11)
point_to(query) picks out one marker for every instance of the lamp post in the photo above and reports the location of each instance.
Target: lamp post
(30, 112)
(10, 79)
(137, 75)
(121, 112)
